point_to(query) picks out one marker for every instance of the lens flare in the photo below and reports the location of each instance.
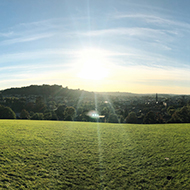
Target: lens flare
(93, 114)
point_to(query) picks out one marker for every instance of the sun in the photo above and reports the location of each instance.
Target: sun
(93, 64)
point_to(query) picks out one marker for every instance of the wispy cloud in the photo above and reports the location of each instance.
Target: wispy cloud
(154, 20)
(26, 39)
(6, 34)
(49, 23)
(58, 53)
(136, 31)
(54, 24)
(31, 31)
(32, 55)
(43, 23)
(159, 38)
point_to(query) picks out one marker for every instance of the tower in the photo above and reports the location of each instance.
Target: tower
(156, 98)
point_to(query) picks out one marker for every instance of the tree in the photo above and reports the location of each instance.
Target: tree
(171, 110)
(68, 118)
(24, 114)
(113, 118)
(40, 105)
(159, 118)
(69, 113)
(54, 116)
(181, 115)
(30, 106)
(60, 112)
(121, 119)
(18, 104)
(37, 116)
(175, 117)
(105, 112)
(7, 113)
(184, 114)
(125, 113)
(131, 118)
(48, 116)
(149, 118)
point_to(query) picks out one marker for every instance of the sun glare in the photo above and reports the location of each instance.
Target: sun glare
(93, 64)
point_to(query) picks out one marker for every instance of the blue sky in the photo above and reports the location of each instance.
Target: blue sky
(139, 46)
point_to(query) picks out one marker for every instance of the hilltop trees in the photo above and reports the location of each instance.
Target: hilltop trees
(15, 104)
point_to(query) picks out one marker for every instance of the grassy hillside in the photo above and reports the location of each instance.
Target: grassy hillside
(69, 155)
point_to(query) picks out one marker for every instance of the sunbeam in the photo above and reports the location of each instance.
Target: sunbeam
(79, 102)
(106, 98)
(99, 143)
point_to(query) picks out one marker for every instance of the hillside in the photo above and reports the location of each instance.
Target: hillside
(44, 90)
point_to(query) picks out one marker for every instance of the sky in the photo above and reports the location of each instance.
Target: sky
(138, 46)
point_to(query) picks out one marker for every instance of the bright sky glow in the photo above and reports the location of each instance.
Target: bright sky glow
(92, 64)
(118, 45)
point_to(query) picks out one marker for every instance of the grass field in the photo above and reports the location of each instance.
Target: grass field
(71, 155)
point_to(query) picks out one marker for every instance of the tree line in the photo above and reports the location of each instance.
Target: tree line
(58, 103)
(38, 111)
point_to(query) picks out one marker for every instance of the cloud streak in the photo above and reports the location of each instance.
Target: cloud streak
(26, 39)
(136, 31)
(154, 20)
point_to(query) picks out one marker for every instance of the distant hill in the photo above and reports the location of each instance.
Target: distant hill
(59, 90)
(44, 90)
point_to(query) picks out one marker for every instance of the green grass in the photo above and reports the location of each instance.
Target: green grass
(71, 155)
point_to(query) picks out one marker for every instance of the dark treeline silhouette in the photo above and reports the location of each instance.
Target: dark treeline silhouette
(43, 90)
(54, 102)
